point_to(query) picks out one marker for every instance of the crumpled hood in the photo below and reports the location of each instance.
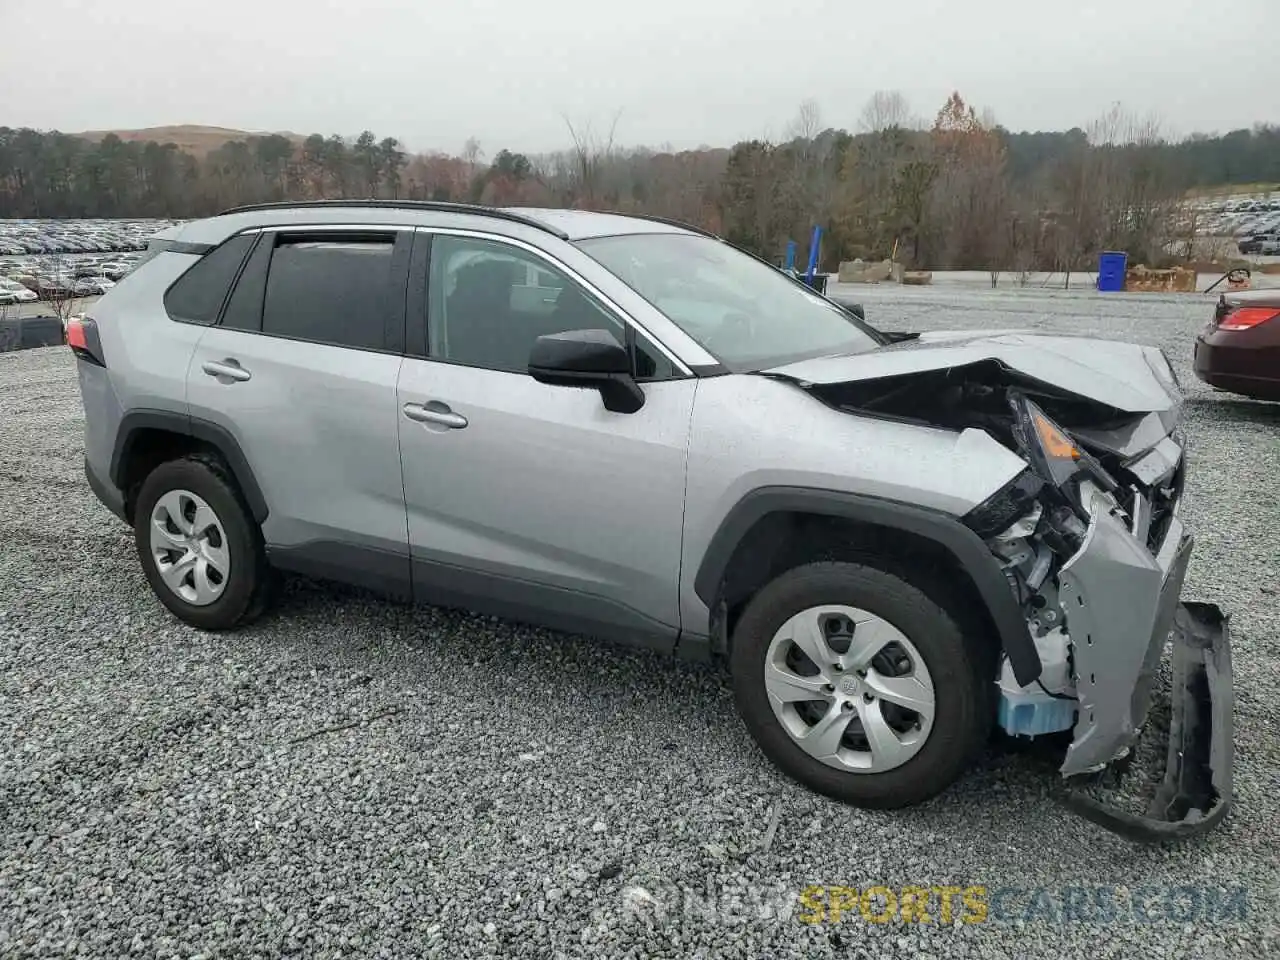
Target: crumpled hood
(1126, 376)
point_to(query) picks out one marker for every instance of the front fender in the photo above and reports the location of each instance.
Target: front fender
(757, 444)
(968, 550)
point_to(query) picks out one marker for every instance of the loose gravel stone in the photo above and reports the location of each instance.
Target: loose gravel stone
(351, 777)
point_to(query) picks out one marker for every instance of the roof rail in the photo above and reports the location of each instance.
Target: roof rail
(669, 222)
(441, 206)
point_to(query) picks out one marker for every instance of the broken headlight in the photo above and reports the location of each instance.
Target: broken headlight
(1006, 506)
(1052, 453)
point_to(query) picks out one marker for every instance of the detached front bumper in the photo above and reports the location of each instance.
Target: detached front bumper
(1121, 605)
(1196, 791)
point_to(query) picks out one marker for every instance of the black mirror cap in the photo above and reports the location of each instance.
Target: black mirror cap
(579, 353)
(588, 358)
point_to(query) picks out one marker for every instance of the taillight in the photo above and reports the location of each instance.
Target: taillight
(83, 339)
(1242, 318)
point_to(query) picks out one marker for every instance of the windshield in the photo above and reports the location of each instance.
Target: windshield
(747, 314)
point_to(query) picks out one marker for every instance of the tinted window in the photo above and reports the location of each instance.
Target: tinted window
(649, 362)
(244, 309)
(489, 302)
(197, 296)
(333, 289)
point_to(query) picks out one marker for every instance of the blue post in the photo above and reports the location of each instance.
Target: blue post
(813, 254)
(791, 255)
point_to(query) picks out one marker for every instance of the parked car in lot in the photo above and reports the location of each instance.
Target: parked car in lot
(76, 236)
(115, 270)
(1255, 243)
(1239, 351)
(55, 287)
(13, 292)
(628, 428)
(92, 286)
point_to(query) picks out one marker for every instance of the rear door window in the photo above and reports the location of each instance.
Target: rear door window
(331, 288)
(244, 309)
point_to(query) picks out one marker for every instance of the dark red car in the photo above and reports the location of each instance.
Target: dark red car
(1240, 350)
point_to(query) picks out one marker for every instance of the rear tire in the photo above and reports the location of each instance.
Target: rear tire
(885, 730)
(199, 545)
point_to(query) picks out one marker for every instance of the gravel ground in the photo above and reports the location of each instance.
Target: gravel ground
(355, 778)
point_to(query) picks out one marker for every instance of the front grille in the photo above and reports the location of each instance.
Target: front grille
(1161, 499)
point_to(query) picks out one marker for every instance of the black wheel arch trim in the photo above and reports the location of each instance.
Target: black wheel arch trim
(217, 436)
(943, 529)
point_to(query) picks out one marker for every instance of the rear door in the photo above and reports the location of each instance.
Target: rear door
(301, 370)
(524, 499)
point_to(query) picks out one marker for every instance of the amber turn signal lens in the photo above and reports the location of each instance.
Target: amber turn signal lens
(1053, 441)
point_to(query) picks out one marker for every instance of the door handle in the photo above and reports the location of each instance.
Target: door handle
(437, 413)
(228, 368)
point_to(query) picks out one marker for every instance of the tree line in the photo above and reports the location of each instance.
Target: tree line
(953, 190)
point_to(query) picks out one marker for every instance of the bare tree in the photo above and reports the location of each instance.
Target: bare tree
(1184, 231)
(589, 152)
(1115, 191)
(885, 110)
(810, 169)
(472, 154)
(1024, 233)
(807, 123)
(60, 295)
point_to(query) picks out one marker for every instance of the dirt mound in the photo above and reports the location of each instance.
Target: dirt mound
(189, 137)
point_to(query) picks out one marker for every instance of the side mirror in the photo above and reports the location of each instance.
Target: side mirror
(587, 358)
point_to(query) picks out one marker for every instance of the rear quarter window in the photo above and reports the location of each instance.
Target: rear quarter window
(198, 294)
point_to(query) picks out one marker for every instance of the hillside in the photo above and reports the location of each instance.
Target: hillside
(962, 193)
(190, 137)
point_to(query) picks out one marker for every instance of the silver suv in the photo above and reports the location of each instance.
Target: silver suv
(627, 428)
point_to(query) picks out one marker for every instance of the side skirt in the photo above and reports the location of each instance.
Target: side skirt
(396, 576)
(370, 568)
(556, 608)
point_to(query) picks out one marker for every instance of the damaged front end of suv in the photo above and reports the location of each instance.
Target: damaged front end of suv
(1090, 542)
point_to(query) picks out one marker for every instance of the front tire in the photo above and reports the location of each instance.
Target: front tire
(199, 546)
(857, 684)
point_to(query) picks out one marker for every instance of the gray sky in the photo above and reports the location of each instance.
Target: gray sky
(682, 72)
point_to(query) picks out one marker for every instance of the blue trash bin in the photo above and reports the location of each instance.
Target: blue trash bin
(1111, 270)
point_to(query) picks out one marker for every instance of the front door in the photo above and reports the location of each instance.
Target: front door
(528, 500)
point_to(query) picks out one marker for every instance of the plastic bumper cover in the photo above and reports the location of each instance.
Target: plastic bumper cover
(1122, 605)
(105, 491)
(1195, 793)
